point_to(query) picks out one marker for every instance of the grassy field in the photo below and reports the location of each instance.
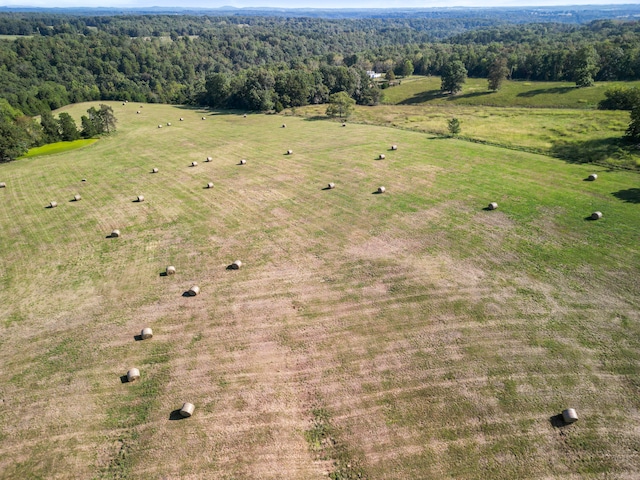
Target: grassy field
(58, 147)
(426, 91)
(412, 334)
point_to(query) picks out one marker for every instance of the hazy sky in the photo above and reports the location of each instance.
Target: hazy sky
(307, 3)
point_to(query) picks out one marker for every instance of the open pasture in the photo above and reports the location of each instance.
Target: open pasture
(410, 334)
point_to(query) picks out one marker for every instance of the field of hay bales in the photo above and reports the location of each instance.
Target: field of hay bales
(410, 334)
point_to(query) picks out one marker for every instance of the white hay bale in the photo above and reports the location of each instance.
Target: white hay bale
(146, 333)
(138, 112)
(77, 198)
(187, 409)
(209, 159)
(3, 185)
(492, 206)
(381, 156)
(123, 103)
(171, 270)
(593, 177)
(289, 152)
(331, 185)
(193, 291)
(210, 185)
(569, 415)
(155, 170)
(159, 126)
(236, 265)
(596, 215)
(344, 124)
(84, 179)
(394, 147)
(168, 124)
(115, 233)
(245, 115)
(194, 164)
(133, 375)
(243, 162)
(284, 126)
(181, 119)
(204, 118)
(381, 189)
(140, 198)
(53, 204)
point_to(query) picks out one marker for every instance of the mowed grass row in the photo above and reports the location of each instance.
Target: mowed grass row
(405, 335)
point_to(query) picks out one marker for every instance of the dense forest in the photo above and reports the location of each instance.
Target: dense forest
(271, 63)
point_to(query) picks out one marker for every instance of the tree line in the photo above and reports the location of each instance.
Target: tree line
(171, 59)
(19, 132)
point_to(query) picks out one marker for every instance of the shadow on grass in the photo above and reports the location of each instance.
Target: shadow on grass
(557, 421)
(422, 97)
(615, 151)
(470, 95)
(137, 338)
(630, 195)
(124, 379)
(175, 415)
(543, 91)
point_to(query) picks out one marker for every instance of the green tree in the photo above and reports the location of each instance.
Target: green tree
(390, 75)
(453, 77)
(217, 90)
(50, 127)
(68, 128)
(407, 68)
(620, 98)
(585, 66)
(340, 105)
(88, 128)
(633, 131)
(498, 71)
(454, 126)
(14, 141)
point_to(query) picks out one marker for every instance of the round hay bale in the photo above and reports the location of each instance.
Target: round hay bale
(194, 164)
(210, 185)
(381, 156)
(171, 270)
(492, 206)
(77, 198)
(187, 409)
(245, 115)
(84, 179)
(344, 124)
(53, 204)
(289, 152)
(236, 265)
(133, 375)
(123, 103)
(181, 119)
(193, 291)
(115, 233)
(284, 126)
(140, 198)
(381, 189)
(146, 333)
(593, 177)
(596, 215)
(243, 162)
(209, 159)
(155, 170)
(331, 185)
(394, 147)
(3, 185)
(138, 112)
(204, 118)
(569, 415)
(159, 126)
(168, 124)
